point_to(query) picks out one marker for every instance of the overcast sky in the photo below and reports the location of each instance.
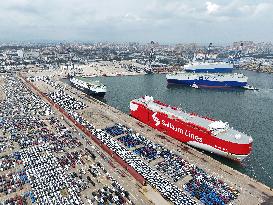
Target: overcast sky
(166, 21)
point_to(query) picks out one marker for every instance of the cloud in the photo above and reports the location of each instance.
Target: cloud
(211, 7)
(257, 9)
(131, 20)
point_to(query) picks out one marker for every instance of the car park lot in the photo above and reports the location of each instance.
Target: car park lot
(46, 160)
(176, 171)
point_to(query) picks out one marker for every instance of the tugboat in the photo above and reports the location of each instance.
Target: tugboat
(194, 86)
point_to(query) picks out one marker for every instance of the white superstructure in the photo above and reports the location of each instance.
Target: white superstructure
(208, 79)
(215, 67)
(91, 87)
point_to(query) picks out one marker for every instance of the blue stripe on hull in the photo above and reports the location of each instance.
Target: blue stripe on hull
(207, 83)
(212, 70)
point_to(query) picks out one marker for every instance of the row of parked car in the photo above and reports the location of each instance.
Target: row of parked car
(154, 178)
(23, 117)
(208, 189)
(66, 101)
(154, 175)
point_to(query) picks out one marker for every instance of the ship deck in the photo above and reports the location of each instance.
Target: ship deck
(91, 82)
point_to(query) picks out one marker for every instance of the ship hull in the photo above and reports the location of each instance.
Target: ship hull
(211, 149)
(207, 83)
(88, 91)
(184, 132)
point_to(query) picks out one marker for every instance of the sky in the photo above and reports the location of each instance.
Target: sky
(165, 21)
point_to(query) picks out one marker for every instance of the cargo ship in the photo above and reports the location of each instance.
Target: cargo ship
(209, 67)
(93, 88)
(216, 80)
(200, 132)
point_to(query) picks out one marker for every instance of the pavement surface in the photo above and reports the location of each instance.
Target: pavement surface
(102, 116)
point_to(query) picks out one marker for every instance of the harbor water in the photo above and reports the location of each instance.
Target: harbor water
(248, 111)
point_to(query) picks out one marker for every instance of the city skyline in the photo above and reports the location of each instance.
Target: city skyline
(122, 21)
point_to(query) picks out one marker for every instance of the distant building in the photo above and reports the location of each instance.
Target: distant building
(245, 43)
(31, 54)
(63, 55)
(20, 53)
(2, 57)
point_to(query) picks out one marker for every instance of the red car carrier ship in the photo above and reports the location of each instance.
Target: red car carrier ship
(200, 132)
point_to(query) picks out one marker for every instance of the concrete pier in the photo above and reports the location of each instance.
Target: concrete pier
(102, 115)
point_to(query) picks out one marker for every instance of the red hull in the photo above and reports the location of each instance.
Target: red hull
(189, 133)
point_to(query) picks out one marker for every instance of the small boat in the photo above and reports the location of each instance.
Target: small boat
(250, 87)
(194, 86)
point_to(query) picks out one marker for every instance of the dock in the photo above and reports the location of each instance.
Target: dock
(109, 150)
(103, 116)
